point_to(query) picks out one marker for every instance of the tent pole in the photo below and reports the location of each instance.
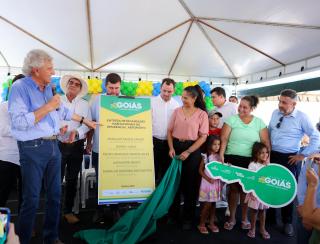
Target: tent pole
(255, 22)
(242, 42)
(186, 8)
(142, 45)
(90, 33)
(6, 61)
(180, 48)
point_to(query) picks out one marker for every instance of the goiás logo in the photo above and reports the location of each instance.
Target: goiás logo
(275, 182)
(126, 105)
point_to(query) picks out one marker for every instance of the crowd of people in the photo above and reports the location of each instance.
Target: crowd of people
(44, 137)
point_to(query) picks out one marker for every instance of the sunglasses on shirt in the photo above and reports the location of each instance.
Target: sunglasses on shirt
(279, 123)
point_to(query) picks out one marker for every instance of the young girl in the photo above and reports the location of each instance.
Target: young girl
(260, 156)
(210, 189)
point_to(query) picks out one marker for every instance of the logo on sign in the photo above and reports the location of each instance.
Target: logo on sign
(126, 105)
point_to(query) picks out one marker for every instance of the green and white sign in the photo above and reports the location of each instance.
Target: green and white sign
(274, 185)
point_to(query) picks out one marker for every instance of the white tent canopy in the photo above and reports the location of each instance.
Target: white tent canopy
(209, 38)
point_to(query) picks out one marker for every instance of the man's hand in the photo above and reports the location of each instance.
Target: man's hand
(54, 103)
(90, 124)
(295, 159)
(72, 136)
(315, 157)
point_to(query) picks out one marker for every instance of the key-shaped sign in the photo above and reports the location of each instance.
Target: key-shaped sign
(274, 185)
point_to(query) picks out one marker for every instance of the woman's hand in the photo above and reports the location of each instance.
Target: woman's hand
(312, 178)
(63, 130)
(172, 153)
(221, 158)
(184, 155)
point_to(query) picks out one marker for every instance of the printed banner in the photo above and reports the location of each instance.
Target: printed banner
(274, 185)
(126, 168)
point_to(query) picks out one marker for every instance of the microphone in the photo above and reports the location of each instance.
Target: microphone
(54, 92)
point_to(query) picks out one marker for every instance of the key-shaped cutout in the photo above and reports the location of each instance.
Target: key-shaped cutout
(274, 185)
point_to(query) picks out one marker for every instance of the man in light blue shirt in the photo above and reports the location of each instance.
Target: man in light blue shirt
(113, 85)
(35, 115)
(287, 127)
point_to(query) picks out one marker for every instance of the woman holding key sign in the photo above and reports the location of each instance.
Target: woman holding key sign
(238, 135)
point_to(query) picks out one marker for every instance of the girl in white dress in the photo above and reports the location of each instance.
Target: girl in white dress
(260, 156)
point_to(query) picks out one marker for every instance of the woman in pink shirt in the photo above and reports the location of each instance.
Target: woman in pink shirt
(187, 131)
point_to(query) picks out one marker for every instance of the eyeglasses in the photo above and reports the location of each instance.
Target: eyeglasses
(279, 123)
(77, 84)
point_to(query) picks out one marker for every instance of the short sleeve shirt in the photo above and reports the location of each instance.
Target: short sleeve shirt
(189, 128)
(243, 136)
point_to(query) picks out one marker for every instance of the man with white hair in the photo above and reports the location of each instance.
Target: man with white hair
(35, 115)
(71, 143)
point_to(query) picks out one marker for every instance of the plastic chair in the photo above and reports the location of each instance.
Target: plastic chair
(88, 178)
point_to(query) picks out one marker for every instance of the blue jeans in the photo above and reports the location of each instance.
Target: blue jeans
(40, 162)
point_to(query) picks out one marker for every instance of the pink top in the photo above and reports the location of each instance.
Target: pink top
(189, 128)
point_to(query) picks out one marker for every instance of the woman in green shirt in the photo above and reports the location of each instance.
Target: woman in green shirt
(238, 135)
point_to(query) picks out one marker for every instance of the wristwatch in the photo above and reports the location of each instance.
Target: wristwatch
(81, 121)
(77, 136)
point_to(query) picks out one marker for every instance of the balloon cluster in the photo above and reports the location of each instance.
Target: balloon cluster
(94, 85)
(156, 89)
(128, 88)
(179, 89)
(144, 88)
(5, 89)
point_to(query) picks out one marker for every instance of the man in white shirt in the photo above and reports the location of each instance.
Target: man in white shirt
(227, 109)
(9, 155)
(162, 108)
(71, 141)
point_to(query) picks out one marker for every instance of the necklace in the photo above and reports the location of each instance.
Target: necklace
(188, 112)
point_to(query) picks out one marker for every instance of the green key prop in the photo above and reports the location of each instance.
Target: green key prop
(274, 185)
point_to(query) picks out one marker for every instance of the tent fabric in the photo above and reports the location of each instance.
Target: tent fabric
(162, 36)
(298, 86)
(137, 224)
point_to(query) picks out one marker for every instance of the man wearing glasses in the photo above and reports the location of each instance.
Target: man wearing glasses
(287, 127)
(71, 141)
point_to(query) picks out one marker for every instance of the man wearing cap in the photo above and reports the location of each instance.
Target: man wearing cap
(71, 143)
(35, 115)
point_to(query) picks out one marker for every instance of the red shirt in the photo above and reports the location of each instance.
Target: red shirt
(215, 131)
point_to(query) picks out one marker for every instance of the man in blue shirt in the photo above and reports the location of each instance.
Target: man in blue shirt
(113, 85)
(35, 115)
(287, 127)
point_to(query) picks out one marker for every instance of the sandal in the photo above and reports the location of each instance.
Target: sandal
(203, 229)
(213, 228)
(229, 225)
(251, 234)
(245, 225)
(265, 235)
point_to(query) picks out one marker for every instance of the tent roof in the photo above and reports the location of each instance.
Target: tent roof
(208, 38)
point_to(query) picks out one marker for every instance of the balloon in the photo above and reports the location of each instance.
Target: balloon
(209, 104)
